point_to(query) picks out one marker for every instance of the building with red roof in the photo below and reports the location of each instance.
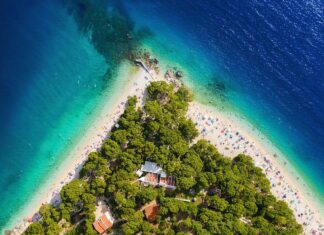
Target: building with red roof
(104, 223)
(151, 211)
(154, 175)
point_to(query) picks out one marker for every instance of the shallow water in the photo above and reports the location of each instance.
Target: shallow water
(50, 82)
(262, 59)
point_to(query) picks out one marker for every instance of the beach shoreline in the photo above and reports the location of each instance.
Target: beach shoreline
(232, 136)
(213, 125)
(69, 168)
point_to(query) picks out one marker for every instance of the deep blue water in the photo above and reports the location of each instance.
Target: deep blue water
(268, 55)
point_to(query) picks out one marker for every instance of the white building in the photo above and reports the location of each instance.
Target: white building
(154, 175)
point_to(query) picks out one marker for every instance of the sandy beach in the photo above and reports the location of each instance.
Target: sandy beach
(227, 132)
(233, 136)
(92, 139)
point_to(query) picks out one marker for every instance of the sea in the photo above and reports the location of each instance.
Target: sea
(263, 60)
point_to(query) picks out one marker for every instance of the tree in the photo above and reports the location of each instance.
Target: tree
(189, 209)
(226, 190)
(180, 148)
(207, 152)
(147, 228)
(217, 203)
(241, 228)
(111, 149)
(146, 195)
(236, 209)
(280, 215)
(96, 165)
(250, 207)
(152, 129)
(149, 148)
(71, 195)
(169, 136)
(130, 189)
(88, 228)
(263, 225)
(173, 166)
(98, 186)
(188, 129)
(120, 136)
(244, 166)
(186, 171)
(72, 192)
(161, 155)
(198, 228)
(88, 201)
(169, 206)
(160, 91)
(131, 227)
(185, 183)
(65, 212)
(53, 229)
(184, 94)
(34, 228)
(50, 218)
(124, 202)
(131, 101)
(202, 181)
(135, 131)
(177, 108)
(137, 144)
(154, 111)
(49, 213)
(210, 220)
(193, 160)
(129, 162)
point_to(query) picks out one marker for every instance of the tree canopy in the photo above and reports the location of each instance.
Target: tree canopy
(213, 195)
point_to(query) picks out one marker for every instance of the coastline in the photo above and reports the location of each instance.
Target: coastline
(286, 184)
(200, 113)
(68, 169)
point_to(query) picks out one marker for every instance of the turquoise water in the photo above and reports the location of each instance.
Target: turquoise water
(53, 81)
(52, 88)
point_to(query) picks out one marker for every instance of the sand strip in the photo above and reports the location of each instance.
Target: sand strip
(229, 134)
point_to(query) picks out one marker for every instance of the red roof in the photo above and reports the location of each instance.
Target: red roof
(106, 221)
(97, 227)
(151, 211)
(152, 177)
(102, 224)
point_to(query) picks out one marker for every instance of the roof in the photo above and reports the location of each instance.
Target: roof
(156, 176)
(98, 227)
(151, 178)
(103, 223)
(152, 167)
(109, 217)
(151, 212)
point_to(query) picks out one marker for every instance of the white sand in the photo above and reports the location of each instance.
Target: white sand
(92, 139)
(218, 127)
(233, 136)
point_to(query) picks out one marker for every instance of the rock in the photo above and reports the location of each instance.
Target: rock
(179, 74)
